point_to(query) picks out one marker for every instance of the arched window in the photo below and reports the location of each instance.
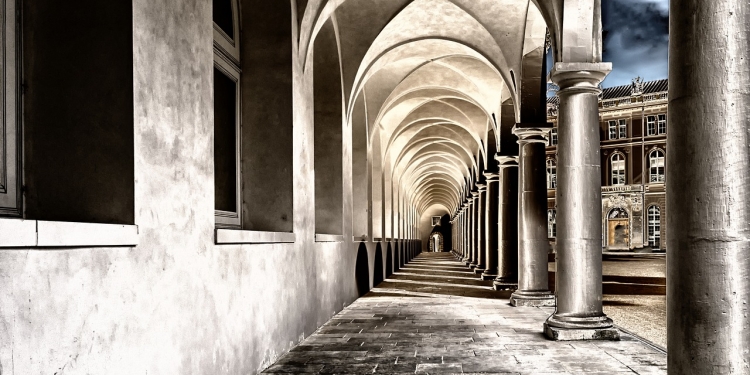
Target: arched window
(656, 166)
(654, 226)
(551, 174)
(618, 169)
(226, 114)
(551, 223)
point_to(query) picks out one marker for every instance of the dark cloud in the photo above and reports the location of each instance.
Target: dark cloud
(636, 39)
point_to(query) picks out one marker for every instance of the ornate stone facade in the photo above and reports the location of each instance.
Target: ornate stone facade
(633, 155)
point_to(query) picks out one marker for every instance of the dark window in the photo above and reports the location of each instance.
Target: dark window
(225, 141)
(223, 17)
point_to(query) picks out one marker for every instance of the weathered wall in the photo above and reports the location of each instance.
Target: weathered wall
(177, 303)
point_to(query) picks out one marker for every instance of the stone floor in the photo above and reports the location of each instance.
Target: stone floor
(436, 316)
(635, 293)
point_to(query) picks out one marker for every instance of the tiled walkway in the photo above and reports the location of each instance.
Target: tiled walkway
(436, 316)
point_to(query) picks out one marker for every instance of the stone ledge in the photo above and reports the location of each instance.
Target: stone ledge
(329, 238)
(238, 236)
(577, 334)
(39, 233)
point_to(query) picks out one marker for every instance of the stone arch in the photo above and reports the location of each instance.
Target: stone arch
(378, 270)
(362, 270)
(328, 129)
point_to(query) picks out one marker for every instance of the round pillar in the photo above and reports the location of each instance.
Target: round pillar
(533, 245)
(708, 159)
(473, 229)
(490, 227)
(578, 286)
(507, 228)
(481, 233)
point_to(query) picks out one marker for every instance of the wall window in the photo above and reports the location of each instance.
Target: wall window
(617, 165)
(226, 115)
(612, 129)
(618, 129)
(551, 223)
(552, 137)
(656, 125)
(662, 124)
(654, 226)
(10, 197)
(656, 166)
(551, 174)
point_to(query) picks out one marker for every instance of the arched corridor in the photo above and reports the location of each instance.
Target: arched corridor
(203, 187)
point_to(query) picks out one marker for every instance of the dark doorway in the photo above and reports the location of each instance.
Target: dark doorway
(362, 271)
(377, 277)
(389, 262)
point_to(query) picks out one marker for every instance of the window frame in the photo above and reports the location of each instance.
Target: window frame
(656, 174)
(228, 219)
(551, 223)
(551, 168)
(617, 174)
(612, 127)
(230, 46)
(651, 125)
(11, 199)
(653, 224)
(553, 137)
(661, 123)
(622, 129)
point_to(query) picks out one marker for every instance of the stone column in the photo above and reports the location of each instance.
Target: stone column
(473, 229)
(490, 226)
(533, 245)
(507, 228)
(708, 227)
(579, 313)
(464, 231)
(480, 230)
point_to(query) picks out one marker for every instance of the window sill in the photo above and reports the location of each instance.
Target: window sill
(329, 238)
(38, 233)
(239, 236)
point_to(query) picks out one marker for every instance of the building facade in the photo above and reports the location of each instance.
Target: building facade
(633, 133)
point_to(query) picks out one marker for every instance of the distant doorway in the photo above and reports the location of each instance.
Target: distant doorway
(618, 229)
(436, 242)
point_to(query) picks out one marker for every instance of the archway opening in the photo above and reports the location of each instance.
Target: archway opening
(362, 271)
(436, 242)
(377, 276)
(389, 262)
(618, 229)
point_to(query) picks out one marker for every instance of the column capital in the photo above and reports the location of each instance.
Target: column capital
(574, 77)
(507, 161)
(481, 187)
(532, 133)
(474, 195)
(491, 177)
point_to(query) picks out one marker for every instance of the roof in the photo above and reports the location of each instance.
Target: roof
(624, 91)
(649, 87)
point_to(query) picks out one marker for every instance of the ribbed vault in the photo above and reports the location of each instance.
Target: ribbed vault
(434, 87)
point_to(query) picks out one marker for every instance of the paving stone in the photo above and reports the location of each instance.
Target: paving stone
(429, 323)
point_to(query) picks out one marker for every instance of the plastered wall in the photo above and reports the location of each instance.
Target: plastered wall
(177, 303)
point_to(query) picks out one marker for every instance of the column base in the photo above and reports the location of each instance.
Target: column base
(489, 274)
(479, 269)
(504, 285)
(532, 299)
(473, 265)
(580, 334)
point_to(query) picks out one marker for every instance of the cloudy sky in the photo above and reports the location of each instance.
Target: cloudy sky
(636, 41)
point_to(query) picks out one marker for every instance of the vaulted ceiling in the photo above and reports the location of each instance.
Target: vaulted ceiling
(437, 84)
